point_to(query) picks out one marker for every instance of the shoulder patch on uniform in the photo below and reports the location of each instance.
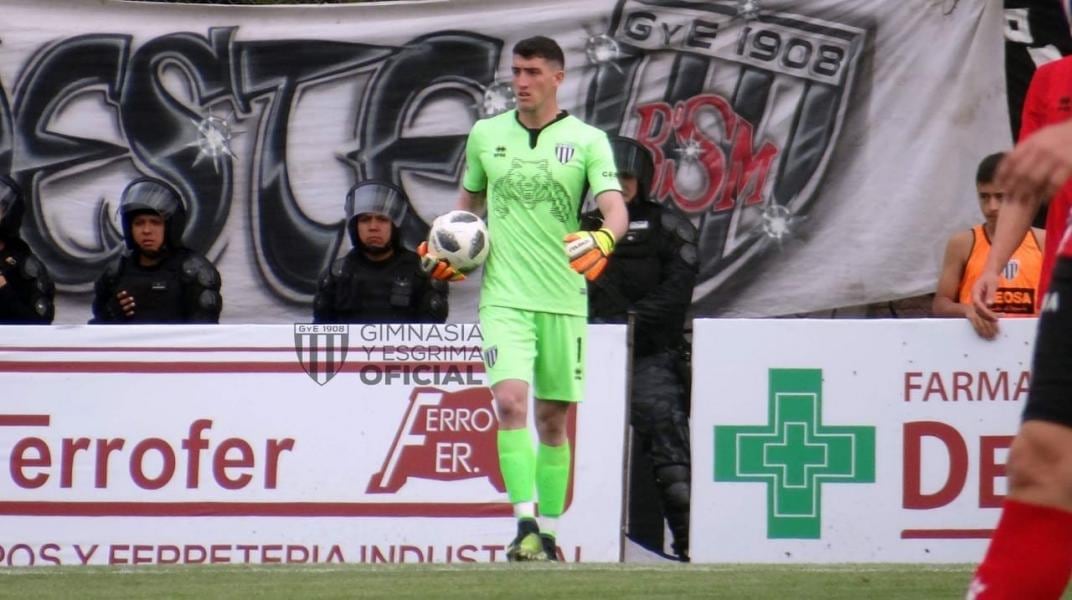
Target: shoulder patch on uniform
(198, 268)
(679, 224)
(688, 254)
(114, 267)
(32, 268)
(337, 267)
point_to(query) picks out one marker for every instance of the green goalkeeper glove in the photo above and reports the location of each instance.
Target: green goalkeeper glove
(588, 251)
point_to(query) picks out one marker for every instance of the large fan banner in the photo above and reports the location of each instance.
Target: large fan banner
(824, 150)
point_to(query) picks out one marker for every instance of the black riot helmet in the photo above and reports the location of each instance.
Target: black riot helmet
(376, 197)
(148, 195)
(10, 207)
(632, 158)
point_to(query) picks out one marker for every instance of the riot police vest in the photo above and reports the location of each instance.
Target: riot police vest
(182, 288)
(27, 295)
(366, 291)
(157, 291)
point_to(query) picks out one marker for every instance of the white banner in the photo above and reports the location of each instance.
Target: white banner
(127, 445)
(787, 131)
(852, 441)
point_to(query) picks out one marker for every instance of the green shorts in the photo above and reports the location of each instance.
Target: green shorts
(546, 350)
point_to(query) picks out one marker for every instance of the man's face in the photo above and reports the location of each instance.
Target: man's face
(374, 231)
(629, 186)
(535, 82)
(990, 199)
(148, 232)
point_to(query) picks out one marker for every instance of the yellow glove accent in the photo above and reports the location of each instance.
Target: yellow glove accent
(588, 251)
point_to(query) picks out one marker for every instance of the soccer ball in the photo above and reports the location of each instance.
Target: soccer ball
(461, 239)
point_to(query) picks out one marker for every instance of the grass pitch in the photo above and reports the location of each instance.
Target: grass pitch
(470, 582)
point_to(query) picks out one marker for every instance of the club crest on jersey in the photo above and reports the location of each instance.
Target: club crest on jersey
(1011, 270)
(564, 152)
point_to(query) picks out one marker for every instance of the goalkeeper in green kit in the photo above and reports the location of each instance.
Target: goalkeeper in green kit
(531, 166)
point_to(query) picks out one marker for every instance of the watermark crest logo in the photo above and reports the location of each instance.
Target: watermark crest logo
(321, 349)
(794, 453)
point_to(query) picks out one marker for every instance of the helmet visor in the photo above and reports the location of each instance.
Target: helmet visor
(376, 198)
(147, 195)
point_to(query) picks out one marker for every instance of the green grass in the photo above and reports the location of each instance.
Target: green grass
(471, 582)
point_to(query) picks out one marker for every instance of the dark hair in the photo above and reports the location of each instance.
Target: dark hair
(539, 46)
(987, 167)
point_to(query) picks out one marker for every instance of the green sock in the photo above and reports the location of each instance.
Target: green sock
(552, 477)
(517, 461)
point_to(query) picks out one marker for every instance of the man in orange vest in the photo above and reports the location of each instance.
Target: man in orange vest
(965, 256)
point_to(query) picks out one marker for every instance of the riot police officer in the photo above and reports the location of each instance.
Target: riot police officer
(378, 281)
(157, 279)
(26, 290)
(649, 279)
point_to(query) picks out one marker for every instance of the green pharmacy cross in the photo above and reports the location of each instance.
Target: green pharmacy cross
(794, 453)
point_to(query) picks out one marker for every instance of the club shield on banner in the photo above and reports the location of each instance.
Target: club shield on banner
(743, 130)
